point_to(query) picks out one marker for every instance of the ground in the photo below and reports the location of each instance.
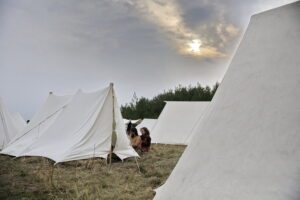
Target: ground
(36, 178)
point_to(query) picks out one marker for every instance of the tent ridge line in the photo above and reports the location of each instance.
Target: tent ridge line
(63, 107)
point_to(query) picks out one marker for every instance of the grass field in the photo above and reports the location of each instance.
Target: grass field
(36, 178)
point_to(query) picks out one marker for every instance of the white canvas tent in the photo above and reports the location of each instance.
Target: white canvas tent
(249, 147)
(9, 127)
(176, 121)
(38, 125)
(75, 127)
(148, 123)
(19, 120)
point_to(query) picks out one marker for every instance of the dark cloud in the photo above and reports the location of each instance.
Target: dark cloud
(195, 15)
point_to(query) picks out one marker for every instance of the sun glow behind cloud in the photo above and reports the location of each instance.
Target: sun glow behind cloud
(195, 46)
(167, 15)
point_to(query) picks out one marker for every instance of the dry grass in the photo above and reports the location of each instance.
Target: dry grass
(36, 178)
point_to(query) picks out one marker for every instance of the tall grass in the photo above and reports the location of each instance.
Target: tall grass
(37, 178)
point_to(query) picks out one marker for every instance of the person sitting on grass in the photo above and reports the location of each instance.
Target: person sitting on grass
(135, 139)
(145, 139)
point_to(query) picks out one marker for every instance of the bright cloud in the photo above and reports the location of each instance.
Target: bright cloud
(195, 46)
(167, 15)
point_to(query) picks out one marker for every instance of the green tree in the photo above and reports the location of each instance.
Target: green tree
(151, 108)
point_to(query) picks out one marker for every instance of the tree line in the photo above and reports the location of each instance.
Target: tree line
(151, 108)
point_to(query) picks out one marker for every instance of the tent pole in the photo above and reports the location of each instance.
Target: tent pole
(113, 123)
(110, 157)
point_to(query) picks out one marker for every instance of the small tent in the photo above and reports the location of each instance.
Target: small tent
(38, 125)
(177, 121)
(75, 127)
(148, 123)
(249, 146)
(9, 126)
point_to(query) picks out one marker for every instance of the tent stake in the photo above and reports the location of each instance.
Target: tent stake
(137, 164)
(76, 172)
(51, 178)
(93, 160)
(87, 163)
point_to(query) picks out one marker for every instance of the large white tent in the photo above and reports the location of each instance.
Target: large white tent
(75, 127)
(148, 123)
(19, 120)
(249, 146)
(177, 121)
(9, 126)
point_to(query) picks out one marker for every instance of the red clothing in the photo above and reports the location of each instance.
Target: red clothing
(146, 142)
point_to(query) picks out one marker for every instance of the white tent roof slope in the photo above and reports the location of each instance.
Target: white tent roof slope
(9, 127)
(177, 120)
(148, 123)
(249, 147)
(19, 120)
(37, 126)
(75, 127)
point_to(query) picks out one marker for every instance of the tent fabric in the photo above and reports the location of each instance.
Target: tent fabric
(76, 127)
(9, 127)
(249, 147)
(19, 120)
(40, 122)
(148, 123)
(177, 121)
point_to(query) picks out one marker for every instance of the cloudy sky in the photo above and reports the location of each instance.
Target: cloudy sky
(143, 46)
